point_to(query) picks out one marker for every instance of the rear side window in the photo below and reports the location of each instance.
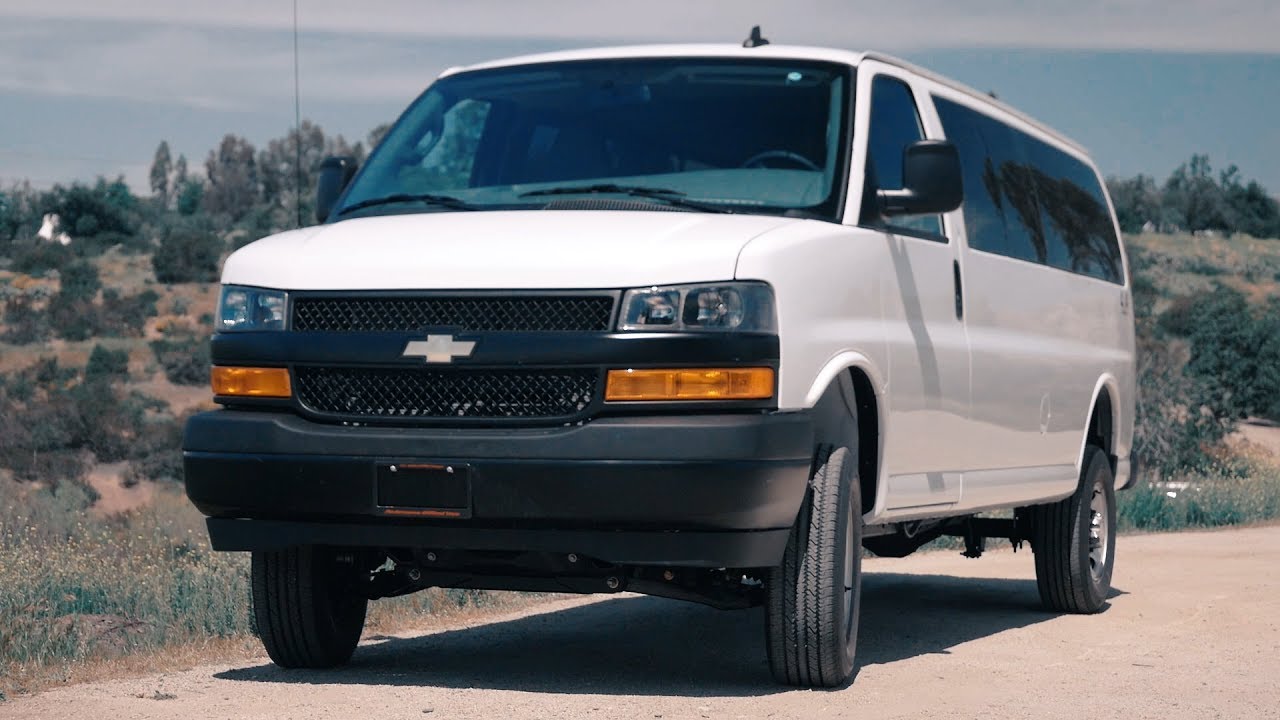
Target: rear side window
(1028, 200)
(1074, 214)
(1013, 187)
(895, 124)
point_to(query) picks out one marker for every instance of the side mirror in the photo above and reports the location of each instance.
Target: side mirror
(931, 181)
(335, 173)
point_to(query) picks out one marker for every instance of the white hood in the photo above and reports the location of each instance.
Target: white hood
(536, 249)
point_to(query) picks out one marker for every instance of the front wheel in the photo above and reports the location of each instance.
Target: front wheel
(1074, 541)
(307, 607)
(812, 606)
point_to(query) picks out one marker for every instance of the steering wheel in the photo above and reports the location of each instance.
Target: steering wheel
(758, 159)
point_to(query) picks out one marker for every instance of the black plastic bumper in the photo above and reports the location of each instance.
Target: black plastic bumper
(711, 491)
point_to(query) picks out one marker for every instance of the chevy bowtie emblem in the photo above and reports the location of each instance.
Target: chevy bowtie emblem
(439, 348)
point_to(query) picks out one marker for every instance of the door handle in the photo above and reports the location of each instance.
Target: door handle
(955, 267)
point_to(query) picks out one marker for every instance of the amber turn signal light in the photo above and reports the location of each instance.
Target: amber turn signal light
(251, 382)
(690, 384)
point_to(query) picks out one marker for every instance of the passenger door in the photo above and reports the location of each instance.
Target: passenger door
(928, 373)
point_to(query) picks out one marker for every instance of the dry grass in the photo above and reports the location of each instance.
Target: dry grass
(75, 587)
(83, 596)
(1241, 486)
(1183, 265)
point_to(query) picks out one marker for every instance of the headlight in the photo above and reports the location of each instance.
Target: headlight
(738, 307)
(247, 308)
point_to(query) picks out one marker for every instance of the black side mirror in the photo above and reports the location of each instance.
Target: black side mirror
(335, 173)
(931, 181)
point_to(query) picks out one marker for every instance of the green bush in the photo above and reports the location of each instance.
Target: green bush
(40, 257)
(1213, 498)
(95, 216)
(79, 281)
(126, 316)
(1235, 354)
(187, 254)
(185, 359)
(106, 365)
(25, 323)
(150, 574)
(73, 319)
(52, 417)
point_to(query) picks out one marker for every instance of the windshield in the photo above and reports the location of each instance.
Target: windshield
(717, 135)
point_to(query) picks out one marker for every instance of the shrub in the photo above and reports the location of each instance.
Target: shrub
(185, 359)
(187, 254)
(40, 257)
(158, 457)
(125, 316)
(73, 319)
(1235, 356)
(106, 364)
(149, 573)
(89, 212)
(51, 416)
(1213, 498)
(79, 281)
(1180, 318)
(26, 324)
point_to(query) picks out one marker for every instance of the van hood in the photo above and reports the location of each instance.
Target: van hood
(527, 249)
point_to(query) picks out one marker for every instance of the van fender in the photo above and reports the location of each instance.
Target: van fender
(1120, 467)
(833, 400)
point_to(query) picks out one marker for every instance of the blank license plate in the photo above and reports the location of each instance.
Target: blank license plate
(424, 490)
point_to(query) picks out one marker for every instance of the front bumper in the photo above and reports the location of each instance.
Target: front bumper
(690, 490)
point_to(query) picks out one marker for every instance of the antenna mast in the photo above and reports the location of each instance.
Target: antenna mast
(297, 122)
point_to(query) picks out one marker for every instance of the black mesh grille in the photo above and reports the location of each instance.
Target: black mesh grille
(545, 313)
(453, 393)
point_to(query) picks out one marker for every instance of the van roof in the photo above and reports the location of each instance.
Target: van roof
(787, 52)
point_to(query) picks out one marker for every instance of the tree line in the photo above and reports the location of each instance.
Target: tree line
(1195, 199)
(242, 193)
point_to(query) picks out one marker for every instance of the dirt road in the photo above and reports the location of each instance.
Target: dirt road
(1193, 631)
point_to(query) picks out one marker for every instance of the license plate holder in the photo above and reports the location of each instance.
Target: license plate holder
(426, 490)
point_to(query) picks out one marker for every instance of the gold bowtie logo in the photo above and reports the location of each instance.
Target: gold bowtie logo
(439, 348)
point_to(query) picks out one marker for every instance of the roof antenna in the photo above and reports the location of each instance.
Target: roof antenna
(755, 40)
(297, 123)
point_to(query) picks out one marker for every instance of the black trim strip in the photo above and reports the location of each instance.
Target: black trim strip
(500, 349)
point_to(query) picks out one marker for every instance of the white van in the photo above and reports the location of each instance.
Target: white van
(695, 321)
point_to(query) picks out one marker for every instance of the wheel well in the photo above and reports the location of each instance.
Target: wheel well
(850, 397)
(1100, 425)
(868, 438)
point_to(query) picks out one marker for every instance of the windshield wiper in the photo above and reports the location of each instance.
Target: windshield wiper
(671, 197)
(448, 201)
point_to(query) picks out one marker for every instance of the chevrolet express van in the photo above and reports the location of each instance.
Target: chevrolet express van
(699, 322)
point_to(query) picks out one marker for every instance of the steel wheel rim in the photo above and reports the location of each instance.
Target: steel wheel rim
(1099, 533)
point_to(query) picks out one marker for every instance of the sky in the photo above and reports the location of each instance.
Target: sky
(90, 87)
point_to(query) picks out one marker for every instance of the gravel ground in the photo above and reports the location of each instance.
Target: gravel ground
(1193, 631)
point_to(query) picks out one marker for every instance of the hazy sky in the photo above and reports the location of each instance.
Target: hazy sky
(90, 87)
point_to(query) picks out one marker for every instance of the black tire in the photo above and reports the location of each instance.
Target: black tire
(306, 607)
(814, 596)
(1074, 541)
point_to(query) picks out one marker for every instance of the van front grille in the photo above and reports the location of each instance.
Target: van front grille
(480, 313)
(425, 394)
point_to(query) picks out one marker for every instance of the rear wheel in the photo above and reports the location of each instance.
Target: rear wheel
(1074, 541)
(812, 606)
(307, 608)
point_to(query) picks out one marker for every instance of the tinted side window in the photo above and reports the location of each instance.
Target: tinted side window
(983, 201)
(895, 124)
(1016, 186)
(1048, 205)
(1074, 213)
